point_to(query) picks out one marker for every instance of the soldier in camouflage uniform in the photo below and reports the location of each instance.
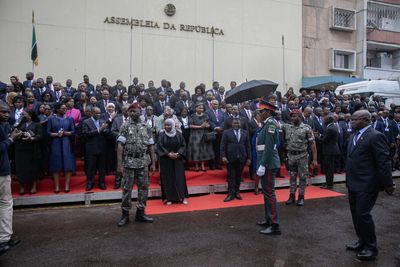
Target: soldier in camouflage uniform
(299, 137)
(134, 143)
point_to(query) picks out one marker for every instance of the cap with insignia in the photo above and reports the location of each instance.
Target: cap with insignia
(266, 105)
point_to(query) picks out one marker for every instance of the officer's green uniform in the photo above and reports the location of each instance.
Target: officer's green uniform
(267, 155)
(135, 138)
(297, 141)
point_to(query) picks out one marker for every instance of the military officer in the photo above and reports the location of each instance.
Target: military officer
(268, 165)
(134, 153)
(299, 137)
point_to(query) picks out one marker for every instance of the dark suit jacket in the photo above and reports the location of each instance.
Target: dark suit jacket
(158, 110)
(213, 120)
(180, 105)
(35, 107)
(116, 125)
(26, 84)
(368, 167)
(234, 150)
(379, 126)
(243, 113)
(70, 91)
(94, 141)
(330, 140)
(286, 116)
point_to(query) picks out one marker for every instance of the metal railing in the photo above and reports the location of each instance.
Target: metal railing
(383, 16)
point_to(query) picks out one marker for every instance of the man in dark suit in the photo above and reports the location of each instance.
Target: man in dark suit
(105, 100)
(235, 115)
(330, 149)
(29, 80)
(132, 89)
(163, 87)
(246, 111)
(184, 102)
(318, 129)
(235, 152)
(89, 86)
(368, 171)
(68, 89)
(216, 120)
(40, 89)
(160, 104)
(286, 113)
(94, 131)
(117, 90)
(377, 124)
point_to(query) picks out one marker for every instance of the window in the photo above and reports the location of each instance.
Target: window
(342, 19)
(343, 60)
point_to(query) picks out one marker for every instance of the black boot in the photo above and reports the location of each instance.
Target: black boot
(142, 217)
(271, 230)
(291, 199)
(300, 201)
(124, 218)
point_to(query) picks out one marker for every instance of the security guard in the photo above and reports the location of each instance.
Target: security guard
(134, 143)
(299, 137)
(268, 165)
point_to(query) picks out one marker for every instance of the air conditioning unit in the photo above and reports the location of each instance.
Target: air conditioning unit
(342, 19)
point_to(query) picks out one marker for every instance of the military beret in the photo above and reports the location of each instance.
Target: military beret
(295, 112)
(134, 105)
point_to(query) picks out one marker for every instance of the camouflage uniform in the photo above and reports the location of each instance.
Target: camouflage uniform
(135, 138)
(297, 140)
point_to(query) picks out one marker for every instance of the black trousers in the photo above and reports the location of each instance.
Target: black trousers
(235, 170)
(329, 168)
(361, 204)
(95, 163)
(217, 152)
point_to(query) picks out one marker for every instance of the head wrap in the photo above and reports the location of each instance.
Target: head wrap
(171, 122)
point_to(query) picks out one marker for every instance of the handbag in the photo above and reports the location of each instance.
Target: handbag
(209, 137)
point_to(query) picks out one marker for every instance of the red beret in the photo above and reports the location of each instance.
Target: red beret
(295, 111)
(134, 105)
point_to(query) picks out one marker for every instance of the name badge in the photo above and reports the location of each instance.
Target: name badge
(349, 130)
(386, 129)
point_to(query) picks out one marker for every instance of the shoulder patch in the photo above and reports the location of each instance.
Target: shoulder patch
(271, 128)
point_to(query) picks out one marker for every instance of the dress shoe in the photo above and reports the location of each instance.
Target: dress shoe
(271, 230)
(102, 186)
(212, 168)
(263, 224)
(4, 247)
(218, 168)
(142, 217)
(229, 198)
(300, 201)
(124, 218)
(13, 242)
(89, 187)
(57, 191)
(291, 199)
(367, 254)
(238, 196)
(355, 247)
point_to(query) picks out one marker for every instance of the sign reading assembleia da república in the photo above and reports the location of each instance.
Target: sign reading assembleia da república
(164, 25)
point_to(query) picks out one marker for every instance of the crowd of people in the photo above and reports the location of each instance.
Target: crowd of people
(132, 131)
(56, 126)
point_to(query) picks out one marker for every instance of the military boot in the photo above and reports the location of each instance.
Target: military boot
(300, 201)
(124, 218)
(291, 199)
(142, 217)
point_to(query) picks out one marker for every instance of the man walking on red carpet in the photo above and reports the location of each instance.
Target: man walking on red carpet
(269, 164)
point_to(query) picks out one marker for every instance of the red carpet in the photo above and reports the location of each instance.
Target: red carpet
(215, 201)
(78, 182)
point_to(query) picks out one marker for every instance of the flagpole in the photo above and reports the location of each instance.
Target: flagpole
(33, 24)
(283, 62)
(130, 60)
(213, 54)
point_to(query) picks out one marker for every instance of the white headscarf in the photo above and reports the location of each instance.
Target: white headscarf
(171, 122)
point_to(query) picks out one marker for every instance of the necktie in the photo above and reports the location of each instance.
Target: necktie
(216, 115)
(248, 114)
(386, 123)
(237, 135)
(162, 106)
(355, 139)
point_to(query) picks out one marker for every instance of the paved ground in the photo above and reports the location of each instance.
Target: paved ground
(314, 235)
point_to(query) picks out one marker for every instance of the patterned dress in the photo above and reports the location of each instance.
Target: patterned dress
(198, 150)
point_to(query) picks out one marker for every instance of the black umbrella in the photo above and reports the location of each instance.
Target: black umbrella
(250, 90)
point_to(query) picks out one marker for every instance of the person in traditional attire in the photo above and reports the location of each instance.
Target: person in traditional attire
(171, 149)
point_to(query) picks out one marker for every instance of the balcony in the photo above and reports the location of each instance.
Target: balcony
(383, 17)
(383, 61)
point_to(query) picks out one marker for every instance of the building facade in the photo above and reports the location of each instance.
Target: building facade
(349, 40)
(180, 40)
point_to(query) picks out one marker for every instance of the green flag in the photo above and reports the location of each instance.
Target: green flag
(34, 53)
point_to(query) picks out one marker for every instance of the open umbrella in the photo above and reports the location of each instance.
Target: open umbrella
(250, 90)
